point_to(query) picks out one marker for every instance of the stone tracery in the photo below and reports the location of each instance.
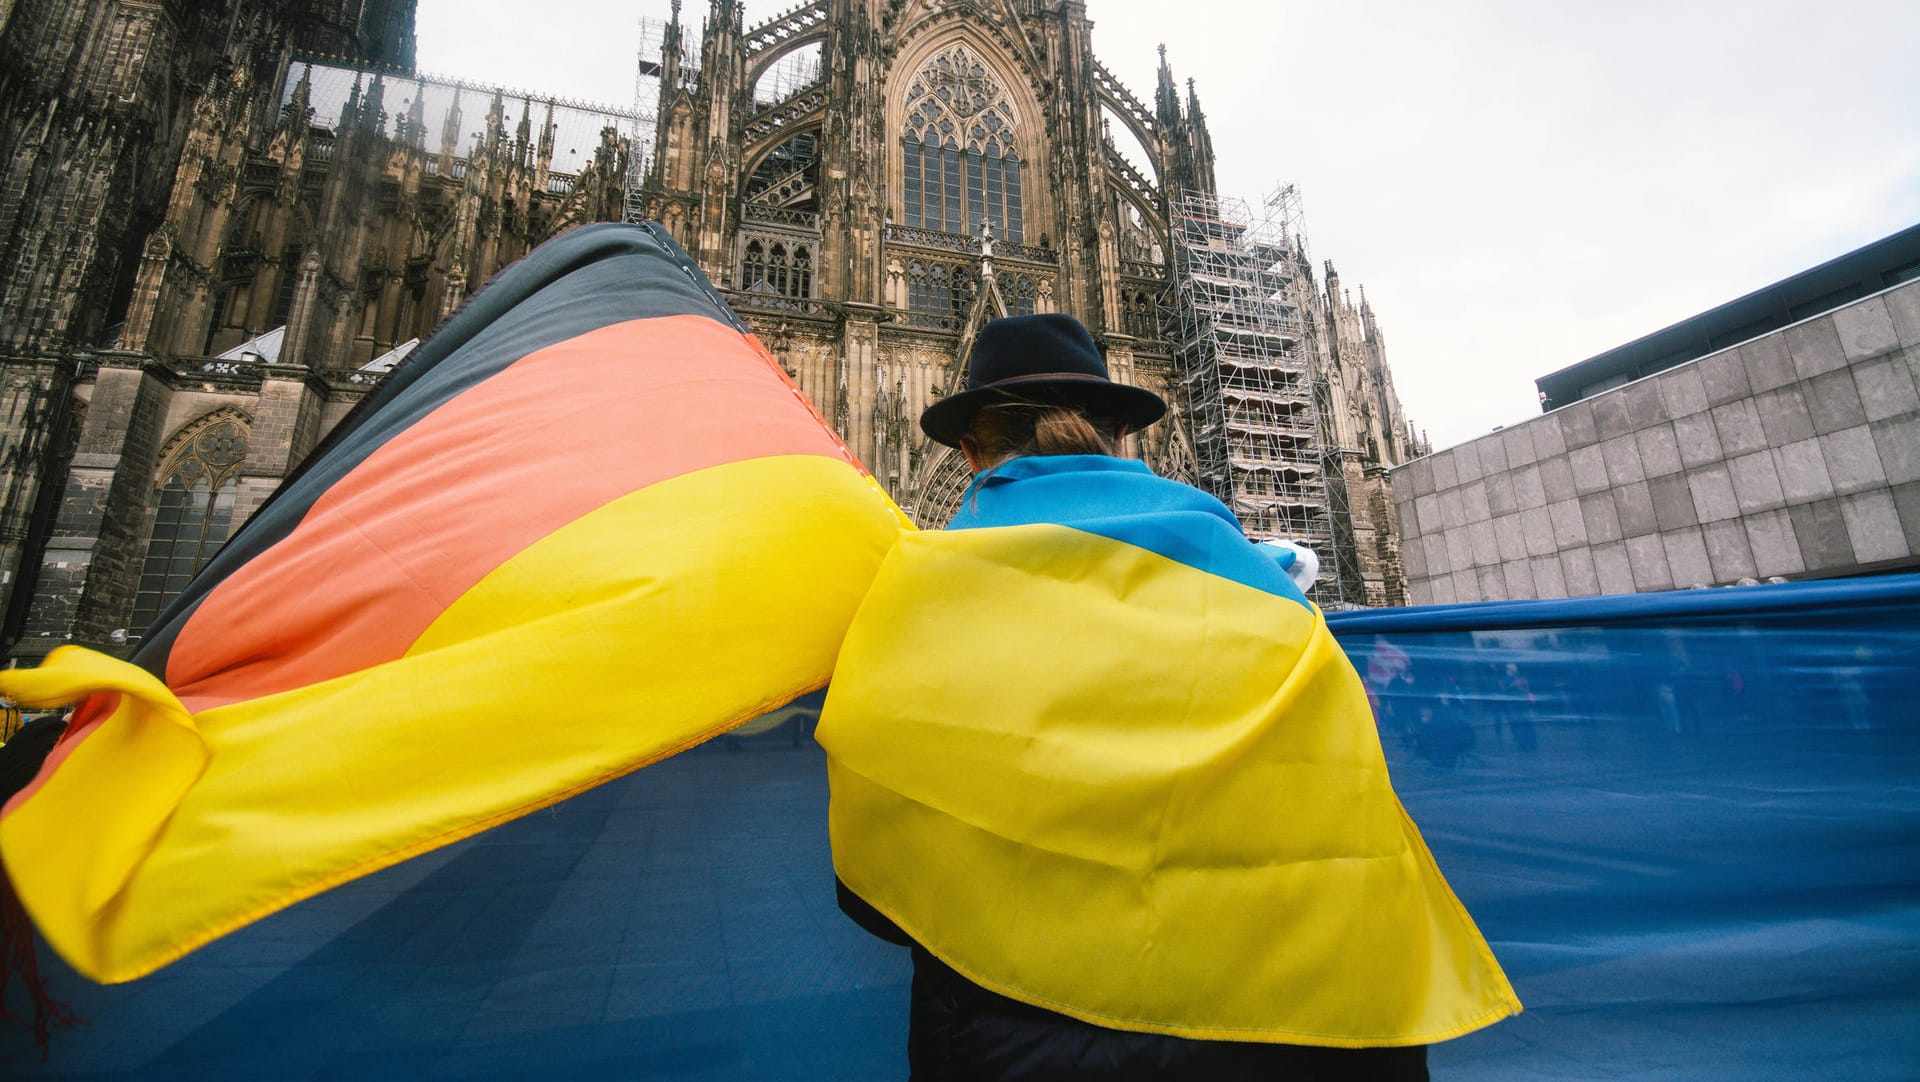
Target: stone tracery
(960, 165)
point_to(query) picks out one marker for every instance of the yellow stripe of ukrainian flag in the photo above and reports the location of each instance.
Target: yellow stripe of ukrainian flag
(1107, 783)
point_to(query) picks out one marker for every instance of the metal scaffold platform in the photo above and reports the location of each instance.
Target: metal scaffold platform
(1239, 327)
(646, 114)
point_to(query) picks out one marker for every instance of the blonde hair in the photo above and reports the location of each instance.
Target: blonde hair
(1012, 429)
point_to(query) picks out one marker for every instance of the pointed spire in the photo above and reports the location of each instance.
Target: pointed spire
(350, 112)
(720, 41)
(670, 57)
(450, 133)
(417, 116)
(299, 109)
(496, 125)
(1199, 142)
(373, 113)
(1166, 96)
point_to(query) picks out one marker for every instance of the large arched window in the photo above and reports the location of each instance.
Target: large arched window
(943, 292)
(772, 268)
(198, 480)
(753, 266)
(777, 269)
(961, 167)
(800, 284)
(1018, 291)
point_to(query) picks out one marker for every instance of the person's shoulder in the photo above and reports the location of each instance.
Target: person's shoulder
(1074, 489)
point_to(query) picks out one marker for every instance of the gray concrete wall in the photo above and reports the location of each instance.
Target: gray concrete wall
(1794, 454)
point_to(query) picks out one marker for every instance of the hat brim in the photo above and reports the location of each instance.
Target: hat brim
(1134, 408)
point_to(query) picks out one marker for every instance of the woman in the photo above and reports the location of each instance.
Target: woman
(1096, 760)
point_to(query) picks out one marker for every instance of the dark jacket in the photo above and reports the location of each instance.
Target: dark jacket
(961, 1031)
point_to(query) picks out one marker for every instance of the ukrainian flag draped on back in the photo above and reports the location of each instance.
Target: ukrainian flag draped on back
(533, 560)
(1094, 750)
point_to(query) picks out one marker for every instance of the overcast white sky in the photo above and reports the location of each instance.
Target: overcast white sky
(1519, 185)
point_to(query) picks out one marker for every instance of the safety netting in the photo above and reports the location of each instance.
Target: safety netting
(1689, 824)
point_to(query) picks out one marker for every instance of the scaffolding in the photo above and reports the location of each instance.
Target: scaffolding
(646, 113)
(1239, 324)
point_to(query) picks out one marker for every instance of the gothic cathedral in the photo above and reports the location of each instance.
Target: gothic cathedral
(221, 223)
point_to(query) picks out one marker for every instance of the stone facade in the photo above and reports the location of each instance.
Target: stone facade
(1366, 432)
(840, 166)
(1000, 111)
(219, 223)
(134, 137)
(1795, 454)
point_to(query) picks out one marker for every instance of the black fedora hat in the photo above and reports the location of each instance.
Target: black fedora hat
(1046, 358)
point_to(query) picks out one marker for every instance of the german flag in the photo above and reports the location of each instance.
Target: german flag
(590, 523)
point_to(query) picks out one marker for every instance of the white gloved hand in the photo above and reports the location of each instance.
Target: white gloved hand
(1300, 562)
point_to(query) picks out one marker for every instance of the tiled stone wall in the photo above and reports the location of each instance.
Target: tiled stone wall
(1794, 454)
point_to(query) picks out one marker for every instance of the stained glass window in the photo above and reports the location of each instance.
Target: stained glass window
(800, 283)
(199, 480)
(777, 269)
(753, 267)
(961, 168)
(1019, 295)
(289, 281)
(944, 291)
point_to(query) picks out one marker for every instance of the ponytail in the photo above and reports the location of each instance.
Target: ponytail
(1061, 431)
(1014, 429)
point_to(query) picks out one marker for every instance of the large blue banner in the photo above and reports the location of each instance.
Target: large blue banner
(1689, 824)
